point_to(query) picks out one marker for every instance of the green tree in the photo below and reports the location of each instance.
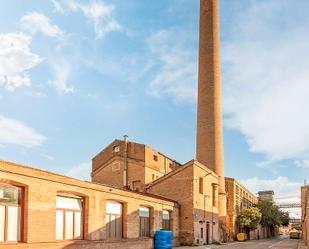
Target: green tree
(285, 218)
(249, 219)
(271, 215)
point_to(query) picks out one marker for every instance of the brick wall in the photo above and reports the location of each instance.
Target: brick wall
(182, 186)
(40, 205)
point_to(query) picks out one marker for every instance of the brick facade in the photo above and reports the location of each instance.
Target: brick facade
(144, 165)
(196, 209)
(238, 197)
(39, 214)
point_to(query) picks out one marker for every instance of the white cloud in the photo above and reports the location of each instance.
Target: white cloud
(81, 171)
(57, 6)
(35, 22)
(15, 132)
(176, 64)
(15, 59)
(101, 15)
(62, 70)
(302, 163)
(266, 80)
(286, 191)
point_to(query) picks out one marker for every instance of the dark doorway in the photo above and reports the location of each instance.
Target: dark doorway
(207, 233)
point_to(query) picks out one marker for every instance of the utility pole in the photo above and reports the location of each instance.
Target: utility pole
(125, 168)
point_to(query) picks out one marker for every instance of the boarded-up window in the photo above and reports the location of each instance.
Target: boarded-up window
(201, 185)
(116, 166)
(214, 195)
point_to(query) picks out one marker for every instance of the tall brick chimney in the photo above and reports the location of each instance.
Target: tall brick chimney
(209, 141)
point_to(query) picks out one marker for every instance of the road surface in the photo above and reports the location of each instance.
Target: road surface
(282, 242)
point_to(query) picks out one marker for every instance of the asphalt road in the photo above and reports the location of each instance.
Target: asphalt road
(282, 242)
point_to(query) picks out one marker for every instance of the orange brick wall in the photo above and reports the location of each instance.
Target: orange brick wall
(182, 186)
(40, 202)
(142, 167)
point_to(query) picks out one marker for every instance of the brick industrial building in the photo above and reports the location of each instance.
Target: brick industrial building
(238, 198)
(135, 190)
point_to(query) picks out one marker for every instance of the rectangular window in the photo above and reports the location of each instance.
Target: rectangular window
(202, 233)
(69, 218)
(166, 224)
(10, 213)
(214, 195)
(155, 158)
(113, 220)
(201, 185)
(144, 222)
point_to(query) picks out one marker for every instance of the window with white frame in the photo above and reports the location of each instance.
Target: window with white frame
(69, 218)
(10, 213)
(113, 220)
(144, 222)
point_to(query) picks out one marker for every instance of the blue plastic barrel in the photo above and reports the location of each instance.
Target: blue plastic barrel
(163, 239)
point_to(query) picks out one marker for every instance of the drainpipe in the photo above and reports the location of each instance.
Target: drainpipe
(125, 169)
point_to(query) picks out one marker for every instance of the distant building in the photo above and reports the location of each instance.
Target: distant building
(267, 195)
(238, 197)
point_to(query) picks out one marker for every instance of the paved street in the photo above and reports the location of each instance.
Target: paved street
(276, 243)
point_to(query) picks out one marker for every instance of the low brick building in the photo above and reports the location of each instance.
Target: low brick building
(193, 185)
(39, 209)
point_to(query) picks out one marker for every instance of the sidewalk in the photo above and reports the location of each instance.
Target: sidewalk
(301, 245)
(210, 246)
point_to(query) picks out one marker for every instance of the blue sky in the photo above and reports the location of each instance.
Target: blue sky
(74, 75)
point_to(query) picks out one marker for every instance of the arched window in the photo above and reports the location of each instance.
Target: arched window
(144, 222)
(69, 218)
(114, 220)
(10, 213)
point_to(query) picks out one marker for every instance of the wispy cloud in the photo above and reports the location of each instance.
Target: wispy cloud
(302, 163)
(81, 171)
(35, 22)
(15, 59)
(101, 15)
(176, 66)
(57, 6)
(265, 77)
(15, 132)
(61, 69)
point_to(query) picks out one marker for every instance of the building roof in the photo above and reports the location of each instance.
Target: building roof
(70, 181)
(186, 165)
(233, 179)
(121, 141)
